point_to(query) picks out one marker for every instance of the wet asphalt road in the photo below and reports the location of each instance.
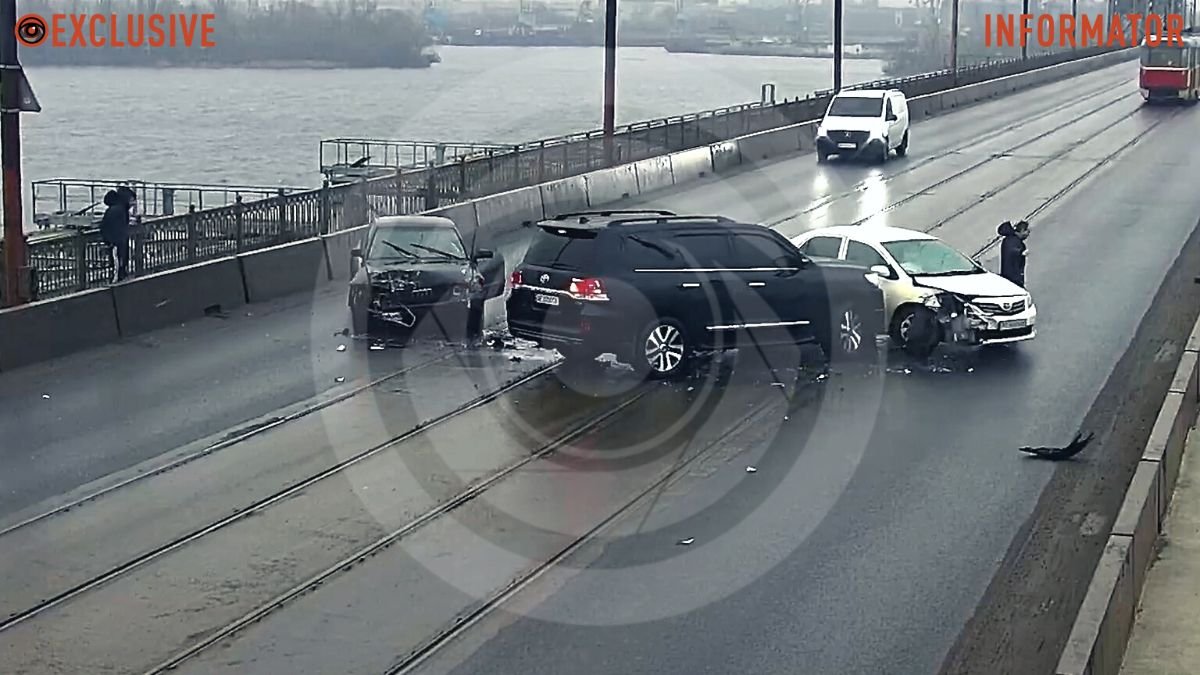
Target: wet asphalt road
(872, 535)
(873, 566)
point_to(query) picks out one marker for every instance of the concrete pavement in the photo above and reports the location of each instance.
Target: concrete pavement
(1166, 633)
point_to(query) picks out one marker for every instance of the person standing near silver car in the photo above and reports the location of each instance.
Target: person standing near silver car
(1013, 251)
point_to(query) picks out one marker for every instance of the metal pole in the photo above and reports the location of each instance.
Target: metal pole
(610, 77)
(954, 40)
(837, 45)
(1024, 43)
(10, 154)
(1075, 14)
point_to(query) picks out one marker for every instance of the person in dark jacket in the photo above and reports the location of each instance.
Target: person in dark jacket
(1013, 251)
(114, 229)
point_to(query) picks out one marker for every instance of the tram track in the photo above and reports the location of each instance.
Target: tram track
(256, 429)
(176, 543)
(482, 610)
(375, 547)
(994, 157)
(910, 167)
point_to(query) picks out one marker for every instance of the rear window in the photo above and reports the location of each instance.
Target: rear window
(563, 248)
(1163, 57)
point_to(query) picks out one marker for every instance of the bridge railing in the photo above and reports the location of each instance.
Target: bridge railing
(74, 261)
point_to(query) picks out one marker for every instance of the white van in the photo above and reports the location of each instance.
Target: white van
(866, 123)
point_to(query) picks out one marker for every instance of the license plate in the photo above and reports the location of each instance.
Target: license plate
(1009, 325)
(847, 146)
(544, 299)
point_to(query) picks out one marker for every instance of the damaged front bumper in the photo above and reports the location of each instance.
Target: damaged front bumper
(963, 322)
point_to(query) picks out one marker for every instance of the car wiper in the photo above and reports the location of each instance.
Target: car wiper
(439, 252)
(653, 246)
(399, 249)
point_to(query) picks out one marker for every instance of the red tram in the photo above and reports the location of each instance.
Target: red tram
(1171, 72)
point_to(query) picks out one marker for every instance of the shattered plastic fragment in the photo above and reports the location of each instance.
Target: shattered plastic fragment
(751, 469)
(970, 370)
(687, 542)
(341, 348)
(339, 380)
(46, 396)
(377, 348)
(778, 384)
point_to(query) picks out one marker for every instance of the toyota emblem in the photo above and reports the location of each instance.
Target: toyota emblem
(544, 278)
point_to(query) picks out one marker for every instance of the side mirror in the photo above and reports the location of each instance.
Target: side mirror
(356, 253)
(484, 254)
(883, 271)
(892, 117)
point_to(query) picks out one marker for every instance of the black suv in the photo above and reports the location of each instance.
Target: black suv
(653, 288)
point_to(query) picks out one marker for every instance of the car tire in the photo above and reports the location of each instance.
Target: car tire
(902, 149)
(662, 350)
(884, 152)
(846, 338)
(905, 319)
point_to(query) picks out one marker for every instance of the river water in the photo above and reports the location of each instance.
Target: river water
(263, 127)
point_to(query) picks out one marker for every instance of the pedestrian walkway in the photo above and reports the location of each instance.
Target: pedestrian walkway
(1166, 635)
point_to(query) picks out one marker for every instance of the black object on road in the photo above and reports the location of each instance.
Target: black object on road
(1057, 454)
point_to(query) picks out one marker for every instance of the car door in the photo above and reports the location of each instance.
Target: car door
(868, 256)
(771, 300)
(893, 124)
(702, 285)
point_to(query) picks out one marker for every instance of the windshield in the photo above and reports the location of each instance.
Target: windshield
(930, 257)
(416, 243)
(854, 106)
(1163, 57)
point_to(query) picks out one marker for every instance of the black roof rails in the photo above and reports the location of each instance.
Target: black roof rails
(583, 215)
(671, 219)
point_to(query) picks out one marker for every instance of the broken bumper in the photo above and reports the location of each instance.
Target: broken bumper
(977, 328)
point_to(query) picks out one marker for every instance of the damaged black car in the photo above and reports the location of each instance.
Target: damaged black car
(415, 269)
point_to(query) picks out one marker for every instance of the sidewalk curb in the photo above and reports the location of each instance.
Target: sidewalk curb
(1105, 619)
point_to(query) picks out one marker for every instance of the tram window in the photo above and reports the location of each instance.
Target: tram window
(1164, 58)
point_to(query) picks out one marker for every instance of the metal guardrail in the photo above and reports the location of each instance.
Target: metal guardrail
(73, 262)
(76, 202)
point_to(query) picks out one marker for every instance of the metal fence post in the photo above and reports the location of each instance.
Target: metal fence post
(285, 233)
(431, 192)
(541, 162)
(139, 249)
(326, 207)
(192, 235)
(80, 241)
(398, 186)
(238, 224)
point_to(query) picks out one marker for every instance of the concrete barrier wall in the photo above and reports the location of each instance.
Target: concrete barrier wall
(509, 211)
(562, 196)
(1104, 622)
(690, 165)
(337, 251)
(171, 298)
(48, 329)
(180, 295)
(654, 174)
(283, 270)
(611, 185)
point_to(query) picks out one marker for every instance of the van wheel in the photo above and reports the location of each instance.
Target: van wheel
(885, 152)
(902, 150)
(915, 330)
(662, 350)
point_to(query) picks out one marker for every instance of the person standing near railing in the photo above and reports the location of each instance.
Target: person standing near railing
(114, 229)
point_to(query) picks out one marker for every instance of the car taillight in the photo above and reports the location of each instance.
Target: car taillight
(515, 279)
(588, 289)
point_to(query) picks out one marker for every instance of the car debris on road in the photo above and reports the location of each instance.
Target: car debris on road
(1066, 452)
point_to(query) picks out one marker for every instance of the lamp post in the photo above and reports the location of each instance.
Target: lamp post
(837, 46)
(15, 97)
(610, 78)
